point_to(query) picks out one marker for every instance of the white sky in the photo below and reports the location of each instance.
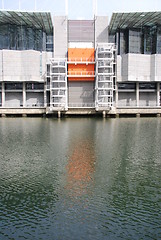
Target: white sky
(82, 9)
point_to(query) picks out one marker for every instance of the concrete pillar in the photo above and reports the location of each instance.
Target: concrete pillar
(59, 114)
(138, 115)
(3, 94)
(158, 94)
(158, 114)
(137, 94)
(104, 114)
(116, 96)
(24, 94)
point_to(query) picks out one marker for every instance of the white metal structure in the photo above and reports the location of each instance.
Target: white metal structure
(58, 85)
(105, 76)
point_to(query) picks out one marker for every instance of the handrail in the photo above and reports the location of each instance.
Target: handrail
(81, 73)
(81, 60)
(81, 105)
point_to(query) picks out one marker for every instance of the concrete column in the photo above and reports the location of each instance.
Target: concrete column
(137, 94)
(3, 94)
(24, 94)
(59, 114)
(45, 96)
(104, 114)
(158, 94)
(116, 96)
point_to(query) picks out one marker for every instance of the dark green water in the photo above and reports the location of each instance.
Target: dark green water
(80, 178)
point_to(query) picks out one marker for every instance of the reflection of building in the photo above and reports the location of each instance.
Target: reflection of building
(67, 65)
(80, 168)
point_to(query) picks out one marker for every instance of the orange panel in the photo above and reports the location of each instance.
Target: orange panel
(81, 54)
(84, 72)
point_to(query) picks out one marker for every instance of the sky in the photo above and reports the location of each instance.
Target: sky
(82, 9)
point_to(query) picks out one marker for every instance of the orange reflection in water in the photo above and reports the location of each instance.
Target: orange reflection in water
(80, 168)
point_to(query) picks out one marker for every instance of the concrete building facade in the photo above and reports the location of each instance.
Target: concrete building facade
(137, 37)
(53, 65)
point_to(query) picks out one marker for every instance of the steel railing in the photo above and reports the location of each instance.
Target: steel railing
(81, 60)
(81, 73)
(81, 105)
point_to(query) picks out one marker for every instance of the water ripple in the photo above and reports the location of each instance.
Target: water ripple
(80, 179)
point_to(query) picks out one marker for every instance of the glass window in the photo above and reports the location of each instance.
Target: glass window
(35, 86)
(13, 86)
(24, 38)
(147, 41)
(158, 40)
(147, 86)
(127, 86)
(134, 41)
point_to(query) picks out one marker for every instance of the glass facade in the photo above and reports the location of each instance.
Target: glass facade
(24, 38)
(13, 86)
(145, 40)
(146, 86)
(34, 86)
(134, 41)
(158, 40)
(131, 86)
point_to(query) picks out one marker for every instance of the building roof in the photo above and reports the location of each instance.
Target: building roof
(133, 20)
(38, 20)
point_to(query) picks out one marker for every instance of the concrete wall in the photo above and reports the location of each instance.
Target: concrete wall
(147, 99)
(60, 36)
(139, 67)
(34, 99)
(126, 99)
(101, 29)
(23, 65)
(1, 66)
(119, 70)
(155, 67)
(81, 31)
(13, 99)
(81, 92)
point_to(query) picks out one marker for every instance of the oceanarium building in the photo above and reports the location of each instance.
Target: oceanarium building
(54, 65)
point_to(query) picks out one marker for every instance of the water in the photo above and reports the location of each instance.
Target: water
(80, 178)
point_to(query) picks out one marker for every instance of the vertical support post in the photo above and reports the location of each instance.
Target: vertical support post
(59, 114)
(3, 4)
(24, 94)
(66, 7)
(19, 5)
(104, 114)
(158, 94)
(51, 99)
(35, 6)
(116, 95)
(137, 94)
(94, 7)
(66, 87)
(3, 94)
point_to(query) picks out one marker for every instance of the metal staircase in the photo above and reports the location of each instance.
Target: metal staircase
(105, 76)
(58, 85)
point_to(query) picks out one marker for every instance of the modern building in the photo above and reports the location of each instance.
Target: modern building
(138, 40)
(56, 65)
(26, 44)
